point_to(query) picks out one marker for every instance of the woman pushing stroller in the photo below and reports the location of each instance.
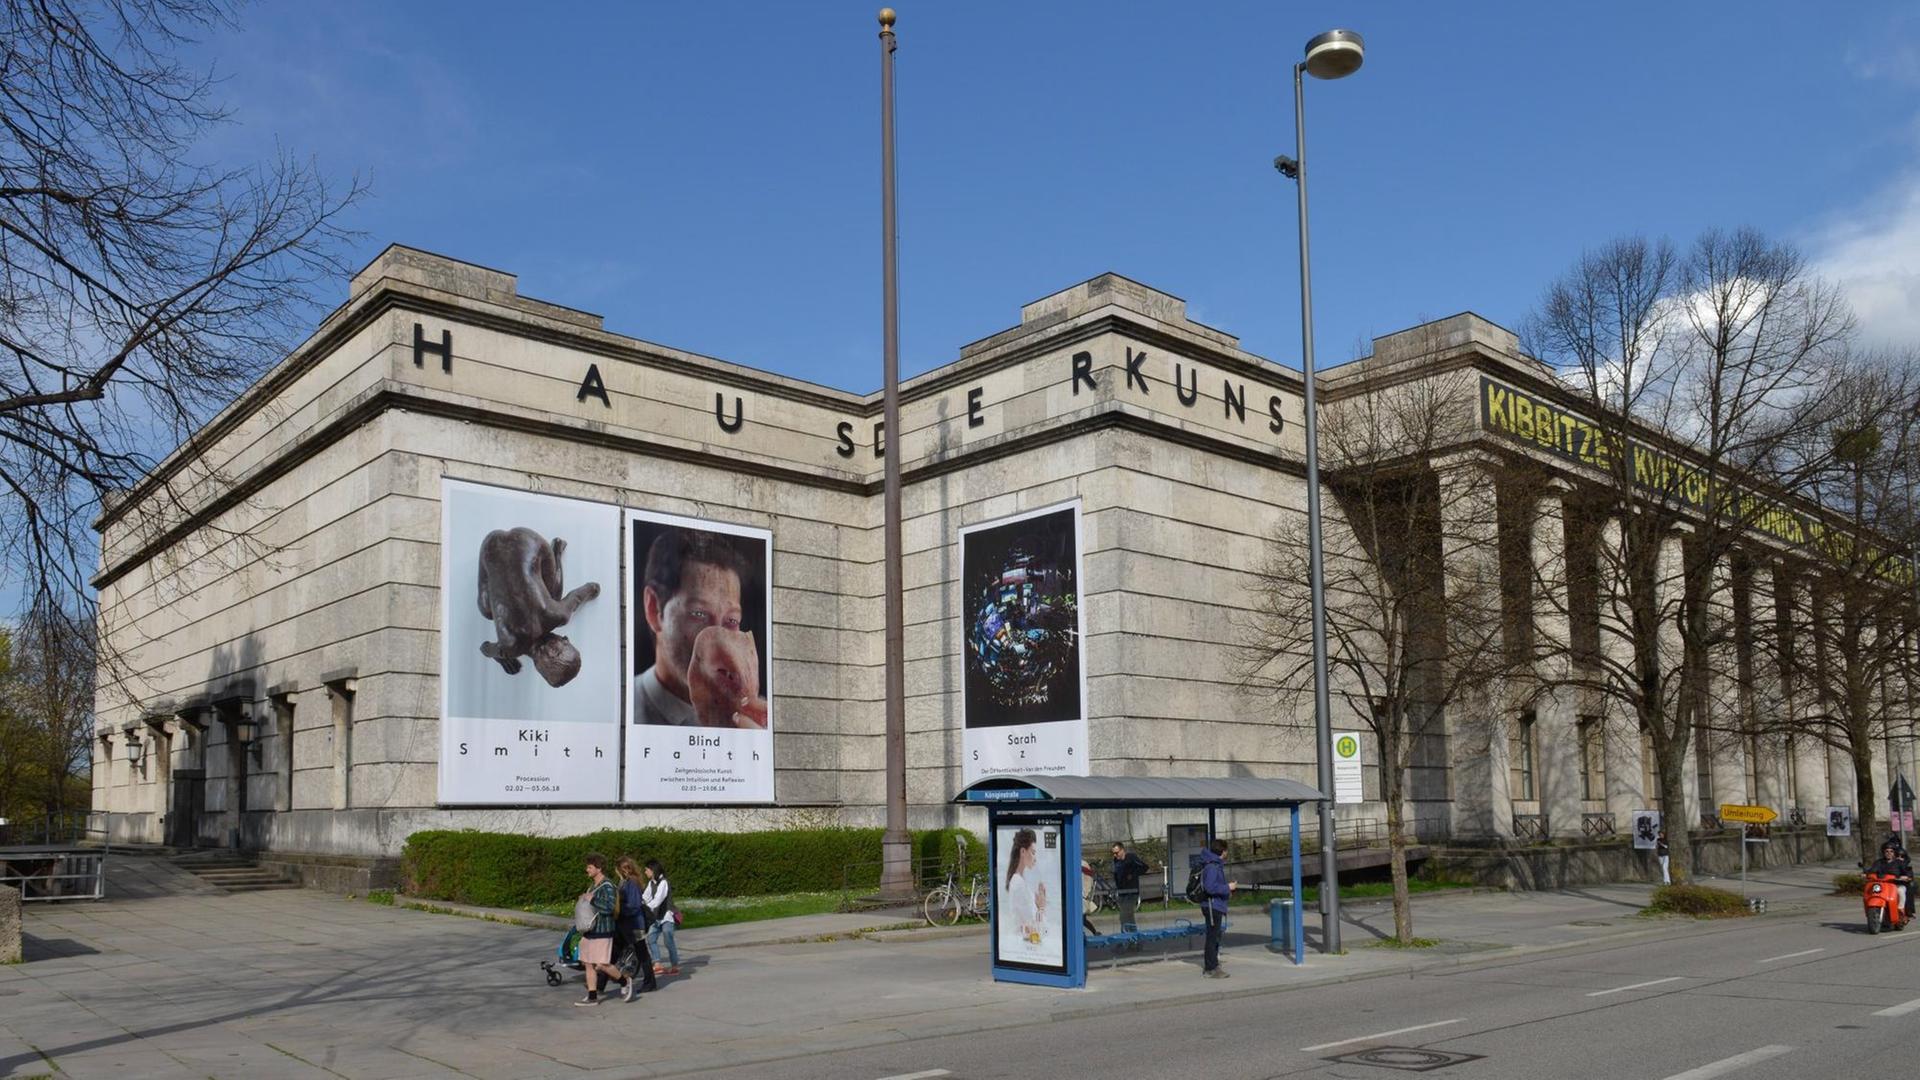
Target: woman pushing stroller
(596, 944)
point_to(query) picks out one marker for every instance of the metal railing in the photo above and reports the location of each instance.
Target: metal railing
(56, 875)
(1597, 825)
(1530, 827)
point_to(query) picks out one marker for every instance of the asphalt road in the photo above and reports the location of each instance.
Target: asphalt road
(1803, 995)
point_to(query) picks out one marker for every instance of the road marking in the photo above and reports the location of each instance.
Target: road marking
(1636, 986)
(1901, 1009)
(1382, 1035)
(1791, 955)
(924, 1074)
(1732, 1064)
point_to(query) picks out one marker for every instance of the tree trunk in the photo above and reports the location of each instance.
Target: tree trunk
(1673, 809)
(1397, 865)
(1862, 754)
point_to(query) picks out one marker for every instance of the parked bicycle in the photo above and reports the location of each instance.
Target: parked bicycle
(948, 901)
(1102, 892)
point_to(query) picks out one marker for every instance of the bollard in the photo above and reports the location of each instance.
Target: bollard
(1280, 913)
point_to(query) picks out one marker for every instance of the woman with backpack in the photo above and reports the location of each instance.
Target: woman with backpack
(596, 939)
(629, 929)
(662, 918)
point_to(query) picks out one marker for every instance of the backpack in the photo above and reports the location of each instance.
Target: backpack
(1196, 886)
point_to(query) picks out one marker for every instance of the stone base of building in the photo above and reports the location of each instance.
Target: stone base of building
(346, 874)
(1561, 865)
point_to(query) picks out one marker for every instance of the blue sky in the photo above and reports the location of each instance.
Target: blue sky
(706, 176)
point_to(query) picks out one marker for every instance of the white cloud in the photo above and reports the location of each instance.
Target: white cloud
(1874, 254)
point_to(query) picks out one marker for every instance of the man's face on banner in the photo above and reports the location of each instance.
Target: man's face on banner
(709, 596)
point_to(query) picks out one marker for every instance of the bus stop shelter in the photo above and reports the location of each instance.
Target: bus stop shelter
(1033, 855)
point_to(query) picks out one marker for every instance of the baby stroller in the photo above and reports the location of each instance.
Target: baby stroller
(567, 958)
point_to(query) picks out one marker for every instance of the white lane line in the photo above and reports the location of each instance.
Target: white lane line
(1732, 1064)
(1901, 1009)
(1791, 955)
(924, 1074)
(1381, 1035)
(1636, 986)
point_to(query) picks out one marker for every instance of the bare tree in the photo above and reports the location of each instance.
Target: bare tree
(140, 289)
(1701, 374)
(1412, 578)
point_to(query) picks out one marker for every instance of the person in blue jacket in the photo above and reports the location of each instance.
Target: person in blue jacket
(1213, 881)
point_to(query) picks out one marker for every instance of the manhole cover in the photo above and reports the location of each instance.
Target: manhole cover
(1404, 1058)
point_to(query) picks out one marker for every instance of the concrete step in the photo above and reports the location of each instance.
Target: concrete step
(234, 873)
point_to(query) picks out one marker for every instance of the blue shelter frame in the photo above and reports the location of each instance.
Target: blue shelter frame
(1049, 807)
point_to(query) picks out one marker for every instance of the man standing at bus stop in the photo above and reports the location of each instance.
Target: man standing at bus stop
(1218, 890)
(1127, 868)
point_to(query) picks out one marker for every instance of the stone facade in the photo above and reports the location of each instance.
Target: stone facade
(270, 597)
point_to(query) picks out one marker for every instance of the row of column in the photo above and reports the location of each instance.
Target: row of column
(1537, 755)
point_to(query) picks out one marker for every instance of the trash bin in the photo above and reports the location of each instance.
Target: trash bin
(1280, 913)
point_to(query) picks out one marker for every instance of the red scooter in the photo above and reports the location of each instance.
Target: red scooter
(1881, 895)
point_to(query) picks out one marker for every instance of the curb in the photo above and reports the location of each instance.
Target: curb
(884, 932)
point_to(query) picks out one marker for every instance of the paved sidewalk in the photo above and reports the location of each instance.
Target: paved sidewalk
(305, 984)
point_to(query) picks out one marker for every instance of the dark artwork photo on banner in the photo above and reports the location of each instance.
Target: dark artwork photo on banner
(1020, 605)
(700, 635)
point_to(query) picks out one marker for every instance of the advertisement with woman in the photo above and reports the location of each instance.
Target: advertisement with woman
(530, 648)
(1029, 895)
(700, 704)
(1023, 685)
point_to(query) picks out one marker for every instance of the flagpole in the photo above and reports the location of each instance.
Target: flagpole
(896, 847)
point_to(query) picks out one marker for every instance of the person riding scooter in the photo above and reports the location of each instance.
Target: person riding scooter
(1893, 870)
(1905, 877)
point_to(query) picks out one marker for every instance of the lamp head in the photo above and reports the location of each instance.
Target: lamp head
(1335, 54)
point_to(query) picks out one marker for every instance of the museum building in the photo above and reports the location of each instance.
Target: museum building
(678, 574)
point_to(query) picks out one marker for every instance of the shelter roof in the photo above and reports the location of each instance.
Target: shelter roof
(1138, 792)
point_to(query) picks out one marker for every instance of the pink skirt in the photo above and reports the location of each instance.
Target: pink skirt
(596, 950)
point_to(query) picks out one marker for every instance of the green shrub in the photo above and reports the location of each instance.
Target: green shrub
(383, 897)
(513, 871)
(1848, 884)
(1702, 901)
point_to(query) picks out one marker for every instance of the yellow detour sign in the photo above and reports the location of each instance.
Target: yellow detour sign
(1749, 815)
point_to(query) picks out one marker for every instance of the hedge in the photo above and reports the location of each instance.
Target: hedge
(509, 870)
(1703, 901)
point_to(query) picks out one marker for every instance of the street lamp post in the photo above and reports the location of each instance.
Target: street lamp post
(1332, 55)
(896, 846)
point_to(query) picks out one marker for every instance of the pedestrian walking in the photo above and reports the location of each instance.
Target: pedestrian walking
(596, 943)
(1218, 890)
(1127, 868)
(663, 919)
(1660, 849)
(630, 928)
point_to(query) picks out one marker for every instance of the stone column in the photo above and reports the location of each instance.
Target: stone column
(1558, 759)
(1478, 719)
(1725, 747)
(1669, 586)
(1627, 763)
(1809, 759)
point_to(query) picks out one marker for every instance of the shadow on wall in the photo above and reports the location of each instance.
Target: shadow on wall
(231, 705)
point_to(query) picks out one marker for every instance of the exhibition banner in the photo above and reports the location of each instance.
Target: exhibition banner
(1646, 829)
(529, 648)
(700, 704)
(1029, 894)
(1023, 693)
